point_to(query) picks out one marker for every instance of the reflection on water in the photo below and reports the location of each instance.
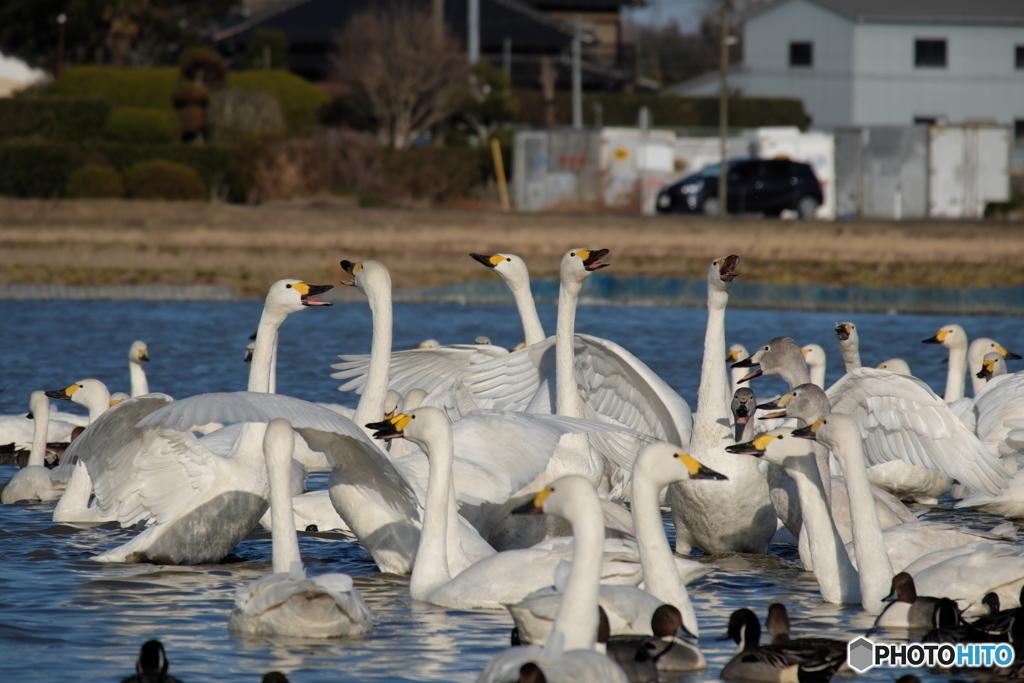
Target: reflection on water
(55, 601)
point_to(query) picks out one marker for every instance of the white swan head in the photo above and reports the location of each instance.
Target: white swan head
(665, 463)
(510, 267)
(367, 276)
(806, 402)
(744, 403)
(992, 365)
(981, 347)
(722, 272)
(578, 264)
(90, 393)
(424, 424)
(290, 296)
(117, 397)
(846, 333)
(779, 447)
(569, 497)
(428, 344)
(737, 352)
(814, 355)
(895, 365)
(950, 336)
(774, 358)
(394, 403)
(830, 430)
(138, 352)
(38, 405)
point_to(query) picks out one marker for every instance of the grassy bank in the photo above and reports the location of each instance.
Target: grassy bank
(118, 242)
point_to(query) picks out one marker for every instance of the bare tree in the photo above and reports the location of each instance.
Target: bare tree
(397, 74)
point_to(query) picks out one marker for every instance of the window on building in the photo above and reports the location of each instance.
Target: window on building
(930, 52)
(801, 53)
(925, 120)
(1019, 57)
(1018, 131)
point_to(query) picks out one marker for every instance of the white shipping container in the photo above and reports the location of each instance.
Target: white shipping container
(969, 166)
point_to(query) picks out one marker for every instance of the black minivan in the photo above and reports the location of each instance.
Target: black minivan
(767, 186)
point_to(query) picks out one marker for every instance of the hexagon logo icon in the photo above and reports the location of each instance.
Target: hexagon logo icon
(860, 654)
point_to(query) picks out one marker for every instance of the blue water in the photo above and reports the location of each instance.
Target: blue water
(60, 612)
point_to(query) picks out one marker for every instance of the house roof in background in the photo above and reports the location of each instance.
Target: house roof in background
(916, 11)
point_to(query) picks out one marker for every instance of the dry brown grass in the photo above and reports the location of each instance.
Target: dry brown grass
(107, 242)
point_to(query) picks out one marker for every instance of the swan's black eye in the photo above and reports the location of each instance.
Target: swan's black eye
(766, 348)
(572, 254)
(508, 259)
(81, 386)
(288, 286)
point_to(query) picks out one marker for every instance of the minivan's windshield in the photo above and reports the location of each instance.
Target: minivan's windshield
(712, 170)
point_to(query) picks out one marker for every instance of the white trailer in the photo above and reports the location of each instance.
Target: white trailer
(968, 166)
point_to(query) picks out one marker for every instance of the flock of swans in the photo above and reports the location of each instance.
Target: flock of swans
(533, 480)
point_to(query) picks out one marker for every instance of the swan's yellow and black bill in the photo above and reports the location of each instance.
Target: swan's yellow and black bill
(808, 432)
(143, 355)
(699, 471)
(535, 506)
(755, 448)
(843, 331)
(390, 428)
(777, 405)
(489, 261)
(987, 368)
(1008, 355)
(307, 292)
(592, 258)
(937, 338)
(351, 268)
(64, 394)
(727, 267)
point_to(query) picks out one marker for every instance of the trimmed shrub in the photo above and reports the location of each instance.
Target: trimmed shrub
(300, 100)
(93, 181)
(432, 173)
(142, 126)
(53, 118)
(235, 114)
(203, 66)
(160, 179)
(34, 168)
(151, 88)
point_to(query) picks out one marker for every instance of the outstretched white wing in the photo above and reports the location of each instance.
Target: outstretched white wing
(999, 408)
(901, 418)
(417, 368)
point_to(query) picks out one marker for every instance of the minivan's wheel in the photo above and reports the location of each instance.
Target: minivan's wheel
(807, 207)
(710, 206)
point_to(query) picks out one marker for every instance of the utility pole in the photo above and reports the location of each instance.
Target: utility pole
(723, 112)
(577, 80)
(506, 56)
(473, 19)
(61, 20)
(437, 16)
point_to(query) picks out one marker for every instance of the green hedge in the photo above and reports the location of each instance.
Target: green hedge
(53, 118)
(667, 111)
(142, 126)
(94, 181)
(32, 168)
(160, 179)
(152, 88)
(300, 100)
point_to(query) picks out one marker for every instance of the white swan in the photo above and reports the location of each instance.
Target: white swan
(967, 573)
(630, 610)
(737, 352)
(815, 358)
(848, 341)
(895, 365)
(287, 603)
(514, 272)
(138, 354)
(899, 416)
(33, 482)
(964, 358)
(569, 654)
(734, 515)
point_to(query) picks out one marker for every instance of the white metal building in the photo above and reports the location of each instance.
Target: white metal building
(884, 62)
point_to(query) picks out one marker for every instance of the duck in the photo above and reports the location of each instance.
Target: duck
(998, 621)
(967, 573)
(775, 663)
(899, 417)
(287, 602)
(34, 481)
(743, 519)
(151, 665)
(777, 625)
(631, 610)
(570, 651)
(670, 646)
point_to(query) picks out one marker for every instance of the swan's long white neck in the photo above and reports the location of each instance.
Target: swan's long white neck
(577, 618)
(850, 351)
(567, 393)
(710, 424)
(955, 378)
(97, 405)
(431, 567)
(873, 564)
(285, 541)
(263, 366)
(139, 383)
(533, 331)
(837, 579)
(975, 357)
(371, 403)
(818, 374)
(40, 425)
(661, 577)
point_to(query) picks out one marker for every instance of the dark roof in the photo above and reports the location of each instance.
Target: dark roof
(318, 21)
(584, 5)
(917, 11)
